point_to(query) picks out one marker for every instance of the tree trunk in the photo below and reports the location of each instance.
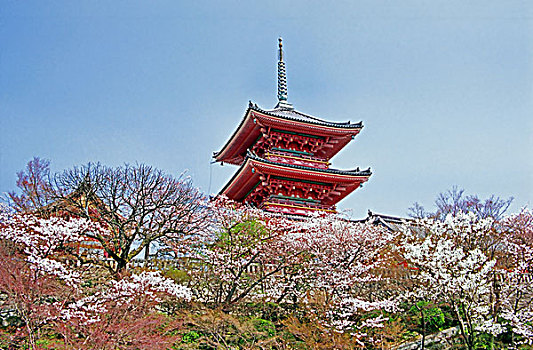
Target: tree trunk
(423, 324)
(462, 326)
(423, 329)
(146, 254)
(121, 265)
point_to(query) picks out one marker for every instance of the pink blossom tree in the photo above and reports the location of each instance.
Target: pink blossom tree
(250, 255)
(47, 289)
(33, 272)
(141, 207)
(346, 265)
(35, 186)
(240, 256)
(122, 315)
(515, 292)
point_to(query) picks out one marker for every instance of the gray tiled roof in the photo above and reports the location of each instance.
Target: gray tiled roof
(392, 223)
(290, 113)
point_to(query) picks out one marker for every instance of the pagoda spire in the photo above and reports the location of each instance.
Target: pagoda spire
(282, 79)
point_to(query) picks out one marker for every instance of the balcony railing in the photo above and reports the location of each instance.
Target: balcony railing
(296, 158)
(295, 201)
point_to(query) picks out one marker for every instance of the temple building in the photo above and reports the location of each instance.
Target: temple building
(284, 158)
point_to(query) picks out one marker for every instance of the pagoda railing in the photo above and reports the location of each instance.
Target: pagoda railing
(296, 157)
(294, 201)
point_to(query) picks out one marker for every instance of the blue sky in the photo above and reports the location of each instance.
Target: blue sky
(444, 88)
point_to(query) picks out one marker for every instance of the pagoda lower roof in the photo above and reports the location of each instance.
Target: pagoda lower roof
(249, 130)
(249, 175)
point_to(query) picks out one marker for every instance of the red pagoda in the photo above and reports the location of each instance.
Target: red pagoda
(284, 158)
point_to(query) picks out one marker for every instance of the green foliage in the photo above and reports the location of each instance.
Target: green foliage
(191, 337)
(264, 326)
(43, 343)
(216, 329)
(5, 338)
(179, 276)
(87, 283)
(245, 232)
(433, 316)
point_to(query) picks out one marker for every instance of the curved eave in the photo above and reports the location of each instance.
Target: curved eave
(298, 169)
(243, 136)
(311, 119)
(244, 180)
(241, 182)
(248, 132)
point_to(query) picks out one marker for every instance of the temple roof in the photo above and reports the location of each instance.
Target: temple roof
(293, 114)
(248, 176)
(392, 223)
(284, 118)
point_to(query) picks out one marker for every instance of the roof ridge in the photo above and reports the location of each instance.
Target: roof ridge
(272, 112)
(390, 217)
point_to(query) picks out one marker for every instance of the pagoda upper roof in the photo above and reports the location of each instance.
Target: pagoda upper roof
(291, 113)
(248, 176)
(288, 119)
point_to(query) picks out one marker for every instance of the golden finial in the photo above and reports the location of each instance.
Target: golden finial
(280, 48)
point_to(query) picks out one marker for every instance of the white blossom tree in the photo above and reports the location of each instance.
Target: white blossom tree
(477, 267)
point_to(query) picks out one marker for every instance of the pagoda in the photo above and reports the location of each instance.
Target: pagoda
(284, 157)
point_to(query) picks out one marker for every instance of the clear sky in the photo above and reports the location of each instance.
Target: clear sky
(444, 88)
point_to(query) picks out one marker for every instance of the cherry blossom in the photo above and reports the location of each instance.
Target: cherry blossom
(476, 265)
